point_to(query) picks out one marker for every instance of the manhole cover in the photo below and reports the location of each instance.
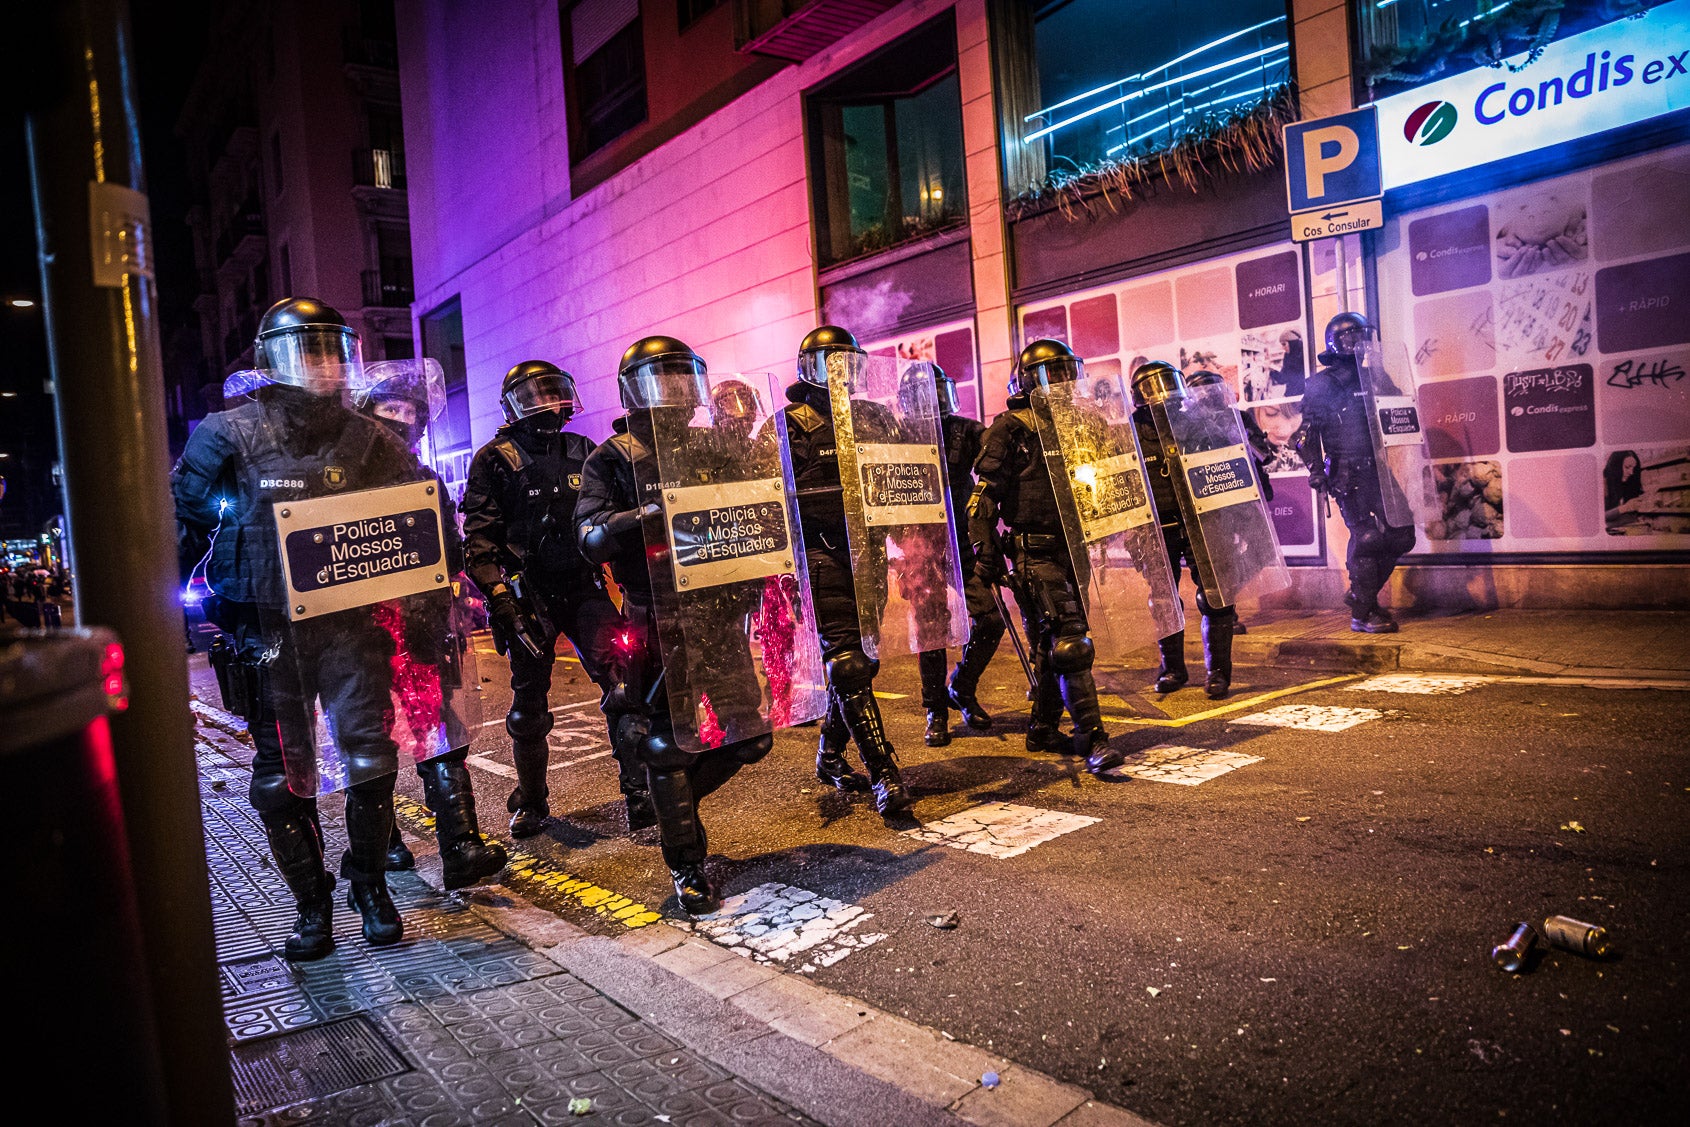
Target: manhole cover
(307, 1064)
(253, 976)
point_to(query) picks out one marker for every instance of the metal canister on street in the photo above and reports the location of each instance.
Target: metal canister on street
(1512, 953)
(1576, 936)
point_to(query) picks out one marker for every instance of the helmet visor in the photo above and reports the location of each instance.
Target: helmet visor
(547, 391)
(664, 383)
(420, 382)
(945, 388)
(1058, 369)
(736, 403)
(320, 359)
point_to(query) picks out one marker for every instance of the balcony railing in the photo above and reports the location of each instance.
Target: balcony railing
(247, 221)
(378, 168)
(389, 288)
(796, 29)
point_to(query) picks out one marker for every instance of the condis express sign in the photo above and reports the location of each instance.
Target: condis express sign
(1614, 75)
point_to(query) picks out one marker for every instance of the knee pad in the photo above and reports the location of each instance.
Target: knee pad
(660, 752)
(851, 671)
(523, 724)
(1072, 654)
(269, 794)
(753, 749)
(1369, 540)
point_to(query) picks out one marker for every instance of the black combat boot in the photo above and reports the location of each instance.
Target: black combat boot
(983, 639)
(527, 803)
(465, 858)
(1173, 673)
(862, 718)
(934, 698)
(684, 843)
(1079, 696)
(1217, 654)
(831, 765)
(399, 856)
(296, 842)
(1047, 706)
(369, 823)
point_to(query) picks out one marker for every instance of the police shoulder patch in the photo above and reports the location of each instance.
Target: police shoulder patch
(575, 482)
(334, 476)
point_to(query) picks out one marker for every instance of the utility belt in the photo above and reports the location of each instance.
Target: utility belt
(1038, 543)
(242, 677)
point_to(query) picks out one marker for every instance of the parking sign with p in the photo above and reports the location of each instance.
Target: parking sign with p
(1332, 165)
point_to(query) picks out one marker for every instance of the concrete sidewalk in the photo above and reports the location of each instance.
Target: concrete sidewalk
(495, 1011)
(1582, 644)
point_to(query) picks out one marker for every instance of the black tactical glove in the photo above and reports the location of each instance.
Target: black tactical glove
(1318, 481)
(988, 567)
(505, 617)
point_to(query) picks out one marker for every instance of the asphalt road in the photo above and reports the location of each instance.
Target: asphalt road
(1303, 937)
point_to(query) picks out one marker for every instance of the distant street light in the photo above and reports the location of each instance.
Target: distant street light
(21, 303)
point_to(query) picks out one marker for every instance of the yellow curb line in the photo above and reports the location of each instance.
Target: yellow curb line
(527, 867)
(1236, 705)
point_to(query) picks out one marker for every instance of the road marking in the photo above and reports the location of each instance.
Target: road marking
(1435, 684)
(781, 923)
(1234, 706)
(1599, 682)
(1000, 829)
(504, 772)
(535, 871)
(555, 710)
(1311, 717)
(1187, 766)
(890, 696)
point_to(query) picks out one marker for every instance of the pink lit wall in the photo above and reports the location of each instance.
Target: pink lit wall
(706, 238)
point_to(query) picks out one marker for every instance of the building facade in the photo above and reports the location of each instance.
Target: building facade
(951, 179)
(297, 164)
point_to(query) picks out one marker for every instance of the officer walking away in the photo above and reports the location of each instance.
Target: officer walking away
(692, 652)
(519, 548)
(297, 438)
(962, 437)
(852, 710)
(401, 396)
(1336, 444)
(1155, 381)
(1014, 487)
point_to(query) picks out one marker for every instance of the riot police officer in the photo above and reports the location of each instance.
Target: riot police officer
(297, 438)
(1336, 444)
(852, 712)
(1015, 487)
(519, 549)
(1154, 382)
(402, 396)
(962, 439)
(618, 521)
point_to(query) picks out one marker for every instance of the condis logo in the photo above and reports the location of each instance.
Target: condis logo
(1430, 123)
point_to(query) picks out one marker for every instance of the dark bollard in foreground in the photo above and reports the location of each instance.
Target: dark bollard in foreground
(74, 944)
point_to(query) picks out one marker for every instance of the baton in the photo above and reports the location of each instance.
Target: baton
(1014, 636)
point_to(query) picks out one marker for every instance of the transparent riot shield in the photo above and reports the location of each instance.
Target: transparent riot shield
(1399, 441)
(1109, 520)
(364, 664)
(904, 556)
(1226, 522)
(731, 592)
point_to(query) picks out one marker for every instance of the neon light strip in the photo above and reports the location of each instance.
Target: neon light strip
(1486, 15)
(1049, 129)
(1154, 70)
(1188, 94)
(1181, 117)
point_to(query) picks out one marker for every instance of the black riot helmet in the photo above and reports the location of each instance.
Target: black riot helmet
(1044, 362)
(305, 344)
(945, 388)
(537, 386)
(1157, 382)
(735, 408)
(1202, 377)
(816, 348)
(1347, 332)
(661, 372)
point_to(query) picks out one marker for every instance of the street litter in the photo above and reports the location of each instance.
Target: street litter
(580, 1105)
(1511, 954)
(1153, 991)
(1576, 936)
(989, 1080)
(1574, 826)
(944, 921)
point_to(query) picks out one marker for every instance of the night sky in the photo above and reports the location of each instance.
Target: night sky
(169, 37)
